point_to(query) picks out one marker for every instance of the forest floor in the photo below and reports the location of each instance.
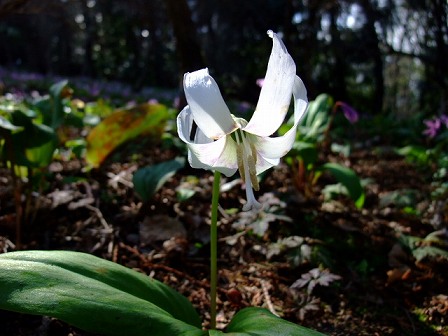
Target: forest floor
(368, 282)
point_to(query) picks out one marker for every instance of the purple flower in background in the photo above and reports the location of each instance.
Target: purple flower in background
(433, 126)
(94, 89)
(244, 107)
(349, 112)
(444, 120)
(260, 82)
(176, 102)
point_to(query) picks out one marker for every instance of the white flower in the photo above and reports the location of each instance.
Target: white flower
(226, 143)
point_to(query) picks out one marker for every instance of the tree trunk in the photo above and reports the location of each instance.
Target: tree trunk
(187, 47)
(339, 69)
(373, 44)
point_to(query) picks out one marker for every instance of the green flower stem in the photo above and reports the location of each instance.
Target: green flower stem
(214, 249)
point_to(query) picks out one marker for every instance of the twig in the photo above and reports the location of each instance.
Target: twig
(147, 263)
(267, 297)
(99, 215)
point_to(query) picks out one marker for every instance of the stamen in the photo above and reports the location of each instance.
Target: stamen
(252, 168)
(253, 172)
(239, 157)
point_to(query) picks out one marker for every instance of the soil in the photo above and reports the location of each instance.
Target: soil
(374, 284)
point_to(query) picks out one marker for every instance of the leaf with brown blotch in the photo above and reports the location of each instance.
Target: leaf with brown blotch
(123, 125)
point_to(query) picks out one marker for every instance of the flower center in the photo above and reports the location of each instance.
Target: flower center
(247, 159)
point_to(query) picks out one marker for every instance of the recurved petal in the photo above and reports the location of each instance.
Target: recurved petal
(264, 163)
(207, 105)
(185, 129)
(275, 95)
(277, 147)
(218, 155)
(203, 152)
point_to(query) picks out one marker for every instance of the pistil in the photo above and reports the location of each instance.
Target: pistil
(247, 159)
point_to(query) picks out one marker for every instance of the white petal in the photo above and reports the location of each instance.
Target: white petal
(264, 163)
(204, 153)
(275, 95)
(275, 148)
(207, 105)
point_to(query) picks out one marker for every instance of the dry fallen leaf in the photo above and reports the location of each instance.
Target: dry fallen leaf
(159, 228)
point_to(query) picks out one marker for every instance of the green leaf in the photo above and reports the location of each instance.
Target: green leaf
(77, 146)
(148, 180)
(342, 149)
(322, 104)
(349, 179)
(93, 294)
(421, 248)
(330, 191)
(123, 125)
(400, 198)
(184, 194)
(6, 125)
(256, 321)
(52, 107)
(307, 151)
(40, 157)
(429, 251)
(56, 101)
(33, 146)
(410, 242)
(316, 119)
(414, 153)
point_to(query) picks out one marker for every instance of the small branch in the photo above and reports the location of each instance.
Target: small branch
(267, 297)
(99, 215)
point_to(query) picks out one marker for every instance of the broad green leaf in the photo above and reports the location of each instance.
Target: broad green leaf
(400, 198)
(77, 146)
(40, 157)
(6, 125)
(342, 149)
(93, 294)
(184, 194)
(22, 116)
(122, 126)
(58, 92)
(410, 242)
(415, 153)
(429, 251)
(307, 152)
(98, 108)
(349, 179)
(330, 191)
(52, 107)
(33, 146)
(316, 119)
(149, 179)
(91, 120)
(256, 321)
(321, 105)
(421, 248)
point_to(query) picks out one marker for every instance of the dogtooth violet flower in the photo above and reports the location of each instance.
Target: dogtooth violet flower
(226, 143)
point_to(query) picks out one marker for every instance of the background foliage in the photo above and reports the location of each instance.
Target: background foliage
(383, 55)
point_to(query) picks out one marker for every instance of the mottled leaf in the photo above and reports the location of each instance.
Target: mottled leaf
(123, 125)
